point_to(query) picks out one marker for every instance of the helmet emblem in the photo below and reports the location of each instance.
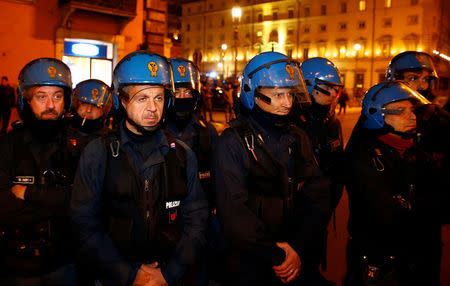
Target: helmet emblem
(153, 67)
(94, 94)
(290, 71)
(182, 70)
(421, 58)
(52, 71)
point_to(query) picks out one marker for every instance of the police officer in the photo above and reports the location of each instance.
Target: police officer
(184, 121)
(270, 193)
(394, 189)
(91, 105)
(186, 124)
(36, 175)
(433, 122)
(324, 85)
(138, 206)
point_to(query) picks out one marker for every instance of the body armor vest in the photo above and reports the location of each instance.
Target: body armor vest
(142, 215)
(273, 188)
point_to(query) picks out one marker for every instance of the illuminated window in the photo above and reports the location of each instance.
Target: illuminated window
(307, 12)
(344, 7)
(387, 22)
(290, 31)
(413, 19)
(306, 28)
(275, 15)
(362, 25)
(387, 3)
(291, 13)
(362, 5)
(305, 53)
(359, 80)
(322, 48)
(341, 47)
(259, 33)
(323, 10)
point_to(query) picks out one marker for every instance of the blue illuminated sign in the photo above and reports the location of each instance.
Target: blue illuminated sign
(80, 49)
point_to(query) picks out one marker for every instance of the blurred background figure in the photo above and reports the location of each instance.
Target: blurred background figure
(342, 100)
(229, 101)
(7, 101)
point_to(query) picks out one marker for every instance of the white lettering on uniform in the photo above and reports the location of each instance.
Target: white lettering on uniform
(172, 204)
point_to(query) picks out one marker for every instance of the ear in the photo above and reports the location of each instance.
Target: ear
(124, 104)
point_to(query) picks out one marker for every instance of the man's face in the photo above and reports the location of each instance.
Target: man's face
(47, 102)
(145, 106)
(183, 92)
(89, 111)
(417, 80)
(281, 100)
(404, 122)
(324, 99)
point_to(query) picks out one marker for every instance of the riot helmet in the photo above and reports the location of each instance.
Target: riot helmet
(320, 71)
(378, 96)
(413, 62)
(44, 72)
(142, 68)
(272, 70)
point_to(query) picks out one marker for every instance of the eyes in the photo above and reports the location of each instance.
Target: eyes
(278, 95)
(146, 98)
(42, 97)
(415, 78)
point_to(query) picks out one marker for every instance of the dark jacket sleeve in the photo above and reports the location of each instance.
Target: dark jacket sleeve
(315, 193)
(242, 228)
(10, 206)
(97, 250)
(194, 210)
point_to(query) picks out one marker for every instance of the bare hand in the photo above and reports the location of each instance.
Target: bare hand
(19, 191)
(156, 277)
(290, 268)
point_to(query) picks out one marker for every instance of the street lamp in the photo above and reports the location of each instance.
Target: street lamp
(224, 47)
(357, 48)
(236, 12)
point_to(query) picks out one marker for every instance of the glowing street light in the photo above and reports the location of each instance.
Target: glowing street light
(236, 13)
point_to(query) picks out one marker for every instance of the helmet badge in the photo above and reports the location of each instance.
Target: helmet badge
(182, 70)
(94, 94)
(290, 71)
(52, 71)
(153, 67)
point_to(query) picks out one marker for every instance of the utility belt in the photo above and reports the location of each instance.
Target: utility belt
(30, 241)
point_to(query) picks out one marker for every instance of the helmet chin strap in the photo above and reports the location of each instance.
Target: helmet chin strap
(403, 135)
(144, 130)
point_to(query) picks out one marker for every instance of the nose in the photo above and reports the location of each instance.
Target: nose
(423, 85)
(151, 106)
(411, 116)
(286, 101)
(50, 104)
(89, 108)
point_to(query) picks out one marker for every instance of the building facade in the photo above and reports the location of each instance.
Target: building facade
(359, 36)
(90, 36)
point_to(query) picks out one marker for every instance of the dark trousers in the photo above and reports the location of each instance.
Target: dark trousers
(5, 113)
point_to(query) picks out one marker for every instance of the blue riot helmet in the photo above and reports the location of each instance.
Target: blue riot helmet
(409, 61)
(41, 72)
(318, 71)
(379, 95)
(92, 91)
(142, 67)
(271, 69)
(187, 75)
